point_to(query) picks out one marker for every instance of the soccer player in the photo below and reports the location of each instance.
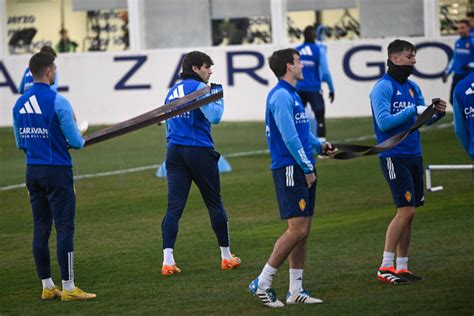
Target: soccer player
(27, 80)
(44, 128)
(191, 158)
(396, 102)
(315, 70)
(463, 109)
(462, 57)
(470, 18)
(291, 147)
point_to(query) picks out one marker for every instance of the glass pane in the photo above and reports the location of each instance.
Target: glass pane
(331, 24)
(241, 31)
(34, 24)
(450, 12)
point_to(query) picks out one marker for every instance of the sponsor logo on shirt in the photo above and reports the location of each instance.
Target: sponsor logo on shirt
(31, 106)
(401, 105)
(301, 118)
(186, 115)
(469, 112)
(306, 51)
(469, 91)
(33, 132)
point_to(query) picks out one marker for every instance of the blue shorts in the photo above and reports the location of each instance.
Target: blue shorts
(405, 178)
(294, 197)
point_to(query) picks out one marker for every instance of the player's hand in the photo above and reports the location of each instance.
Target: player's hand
(215, 87)
(331, 97)
(310, 179)
(440, 106)
(444, 78)
(327, 149)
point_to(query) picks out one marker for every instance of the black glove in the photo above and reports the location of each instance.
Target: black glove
(215, 87)
(331, 97)
(444, 78)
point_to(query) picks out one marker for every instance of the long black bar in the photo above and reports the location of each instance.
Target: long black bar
(157, 115)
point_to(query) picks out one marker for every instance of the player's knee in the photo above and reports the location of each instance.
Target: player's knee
(407, 213)
(300, 232)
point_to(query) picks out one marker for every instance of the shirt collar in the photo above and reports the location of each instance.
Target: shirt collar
(286, 85)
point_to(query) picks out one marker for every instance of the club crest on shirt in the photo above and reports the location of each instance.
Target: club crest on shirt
(302, 205)
(412, 93)
(408, 196)
(467, 45)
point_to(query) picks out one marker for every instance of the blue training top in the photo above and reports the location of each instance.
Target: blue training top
(193, 128)
(315, 67)
(394, 111)
(27, 81)
(287, 127)
(463, 109)
(44, 126)
(462, 57)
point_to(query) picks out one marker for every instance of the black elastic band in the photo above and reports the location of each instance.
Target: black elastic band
(350, 151)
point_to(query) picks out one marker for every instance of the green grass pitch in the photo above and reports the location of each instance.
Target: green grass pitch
(118, 233)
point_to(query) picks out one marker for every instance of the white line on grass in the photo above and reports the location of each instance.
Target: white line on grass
(234, 155)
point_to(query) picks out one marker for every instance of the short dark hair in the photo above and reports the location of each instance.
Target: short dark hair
(195, 58)
(470, 14)
(309, 34)
(465, 21)
(39, 62)
(398, 46)
(280, 58)
(49, 50)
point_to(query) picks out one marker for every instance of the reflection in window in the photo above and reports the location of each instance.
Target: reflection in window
(450, 12)
(107, 30)
(330, 24)
(241, 31)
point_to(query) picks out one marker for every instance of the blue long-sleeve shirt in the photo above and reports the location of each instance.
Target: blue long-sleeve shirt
(44, 127)
(462, 57)
(463, 110)
(287, 129)
(324, 72)
(27, 81)
(394, 111)
(193, 128)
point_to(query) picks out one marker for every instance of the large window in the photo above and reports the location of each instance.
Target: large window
(331, 24)
(33, 24)
(241, 31)
(450, 12)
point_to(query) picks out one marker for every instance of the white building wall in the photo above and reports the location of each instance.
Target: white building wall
(92, 79)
